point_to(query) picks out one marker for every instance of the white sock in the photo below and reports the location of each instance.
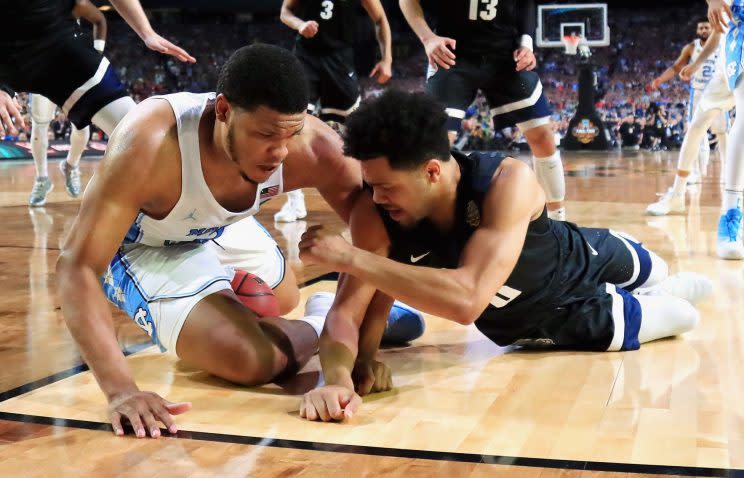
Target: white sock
(296, 198)
(39, 145)
(680, 185)
(731, 200)
(78, 140)
(665, 316)
(316, 309)
(316, 322)
(549, 172)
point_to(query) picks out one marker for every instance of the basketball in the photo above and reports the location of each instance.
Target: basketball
(255, 294)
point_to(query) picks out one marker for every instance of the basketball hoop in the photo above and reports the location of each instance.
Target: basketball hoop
(571, 44)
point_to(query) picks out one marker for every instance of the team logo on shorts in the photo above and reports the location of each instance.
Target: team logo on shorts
(585, 131)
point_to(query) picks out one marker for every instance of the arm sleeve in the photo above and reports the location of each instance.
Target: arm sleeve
(526, 17)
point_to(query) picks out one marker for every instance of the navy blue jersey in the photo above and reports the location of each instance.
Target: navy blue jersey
(35, 20)
(336, 21)
(483, 28)
(553, 264)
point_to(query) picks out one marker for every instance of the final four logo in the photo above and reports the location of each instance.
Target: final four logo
(585, 131)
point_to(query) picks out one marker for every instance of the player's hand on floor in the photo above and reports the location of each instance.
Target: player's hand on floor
(329, 403)
(157, 43)
(371, 376)
(719, 15)
(144, 410)
(525, 59)
(9, 110)
(383, 71)
(308, 29)
(324, 247)
(440, 51)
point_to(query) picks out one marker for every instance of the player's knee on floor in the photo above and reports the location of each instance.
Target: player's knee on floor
(650, 268)
(245, 360)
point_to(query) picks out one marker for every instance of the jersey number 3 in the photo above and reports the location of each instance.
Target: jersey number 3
(488, 13)
(327, 11)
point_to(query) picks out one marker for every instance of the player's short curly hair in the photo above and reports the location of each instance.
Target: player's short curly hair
(406, 128)
(264, 75)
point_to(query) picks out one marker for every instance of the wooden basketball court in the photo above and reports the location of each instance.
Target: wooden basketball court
(461, 407)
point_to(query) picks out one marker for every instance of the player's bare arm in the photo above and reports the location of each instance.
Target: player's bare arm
(307, 29)
(709, 49)
(125, 183)
(85, 9)
(681, 61)
(439, 50)
(131, 11)
(316, 159)
(383, 70)
(719, 14)
(488, 259)
(354, 327)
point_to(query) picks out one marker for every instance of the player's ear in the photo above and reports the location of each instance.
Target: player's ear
(433, 169)
(222, 108)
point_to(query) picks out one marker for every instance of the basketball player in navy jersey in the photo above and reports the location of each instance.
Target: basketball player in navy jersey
(467, 238)
(42, 55)
(699, 81)
(325, 36)
(43, 112)
(487, 45)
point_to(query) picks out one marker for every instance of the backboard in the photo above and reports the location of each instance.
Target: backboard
(587, 20)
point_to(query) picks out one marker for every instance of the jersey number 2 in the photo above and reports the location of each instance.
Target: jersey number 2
(327, 11)
(489, 13)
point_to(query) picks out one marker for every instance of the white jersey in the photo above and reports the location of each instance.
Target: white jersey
(705, 72)
(197, 216)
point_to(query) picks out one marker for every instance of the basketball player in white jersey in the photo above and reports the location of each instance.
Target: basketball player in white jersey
(43, 112)
(700, 79)
(179, 170)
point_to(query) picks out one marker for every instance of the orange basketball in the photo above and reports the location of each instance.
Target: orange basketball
(255, 294)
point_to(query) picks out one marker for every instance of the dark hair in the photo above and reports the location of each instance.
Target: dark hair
(702, 20)
(264, 75)
(407, 128)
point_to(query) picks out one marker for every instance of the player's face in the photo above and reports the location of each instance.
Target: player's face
(402, 193)
(257, 141)
(703, 30)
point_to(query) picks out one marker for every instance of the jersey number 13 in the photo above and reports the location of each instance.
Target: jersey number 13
(488, 12)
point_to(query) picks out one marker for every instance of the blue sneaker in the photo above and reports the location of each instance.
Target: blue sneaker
(729, 244)
(404, 325)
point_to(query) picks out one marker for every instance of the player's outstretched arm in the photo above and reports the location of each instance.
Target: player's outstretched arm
(110, 205)
(85, 9)
(307, 29)
(352, 334)
(487, 261)
(131, 11)
(710, 47)
(439, 50)
(675, 69)
(383, 70)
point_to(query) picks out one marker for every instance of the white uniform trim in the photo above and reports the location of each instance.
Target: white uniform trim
(81, 90)
(518, 105)
(618, 316)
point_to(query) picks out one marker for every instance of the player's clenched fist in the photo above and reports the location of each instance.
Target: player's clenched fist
(320, 246)
(330, 403)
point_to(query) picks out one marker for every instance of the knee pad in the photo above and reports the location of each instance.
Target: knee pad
(549, 172)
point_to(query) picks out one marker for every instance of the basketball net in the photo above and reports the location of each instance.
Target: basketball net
(571, 43)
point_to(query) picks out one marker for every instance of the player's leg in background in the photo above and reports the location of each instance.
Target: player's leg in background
(548, 165)
(42, 113)
(70, 167)
(455, 89)
(673, 201)
(729, 243)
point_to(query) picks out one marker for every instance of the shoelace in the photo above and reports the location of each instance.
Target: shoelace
(732, 223)
(38, 187)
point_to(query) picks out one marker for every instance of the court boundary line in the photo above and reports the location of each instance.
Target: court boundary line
(530, 462)
(431, 455)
